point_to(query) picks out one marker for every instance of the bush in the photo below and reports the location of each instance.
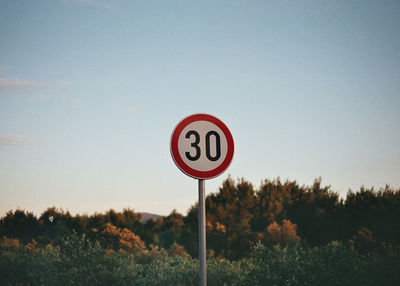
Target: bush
(177, 271)
(77, 261)
(225, 273)
(80, 262)
(333, 264)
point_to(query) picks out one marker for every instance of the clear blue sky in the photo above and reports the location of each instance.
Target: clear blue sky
(90, 91)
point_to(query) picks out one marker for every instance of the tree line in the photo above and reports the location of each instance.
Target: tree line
(238, 217)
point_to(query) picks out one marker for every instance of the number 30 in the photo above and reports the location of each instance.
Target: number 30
(196, 142)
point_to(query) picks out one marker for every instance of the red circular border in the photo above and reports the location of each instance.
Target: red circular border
(182, 165)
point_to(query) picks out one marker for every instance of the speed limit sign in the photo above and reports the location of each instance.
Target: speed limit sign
(202, 146)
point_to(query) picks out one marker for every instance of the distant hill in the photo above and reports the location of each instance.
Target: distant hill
(147, 216)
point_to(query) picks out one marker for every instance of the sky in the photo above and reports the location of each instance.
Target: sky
(91, 90)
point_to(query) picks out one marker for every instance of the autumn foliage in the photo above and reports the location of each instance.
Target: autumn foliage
(238, 216)
(278, 234)
(283, 235)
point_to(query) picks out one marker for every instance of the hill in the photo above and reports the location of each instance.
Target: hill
(147, 216)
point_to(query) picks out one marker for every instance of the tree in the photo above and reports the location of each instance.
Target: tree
(115, 238)
(284, 234)
(19, 224)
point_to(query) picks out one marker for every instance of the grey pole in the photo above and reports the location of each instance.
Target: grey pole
(202, 234)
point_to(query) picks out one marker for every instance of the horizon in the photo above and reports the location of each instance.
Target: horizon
(91, 90)
(256, 188)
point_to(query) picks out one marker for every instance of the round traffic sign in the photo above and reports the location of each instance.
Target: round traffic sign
(202, 146)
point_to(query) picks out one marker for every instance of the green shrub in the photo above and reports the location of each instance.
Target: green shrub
(77, 261)
(333, 264)
(177, 271)
(225, 273)
(13, 268)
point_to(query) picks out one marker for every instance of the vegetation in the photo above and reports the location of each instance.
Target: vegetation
(78, 261)
(279, 234)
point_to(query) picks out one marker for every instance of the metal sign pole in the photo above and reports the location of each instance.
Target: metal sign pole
(202, 234)
(191, 143)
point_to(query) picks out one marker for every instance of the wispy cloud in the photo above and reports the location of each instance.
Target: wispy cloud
(20, 87)
(11, 140)
(9, 83)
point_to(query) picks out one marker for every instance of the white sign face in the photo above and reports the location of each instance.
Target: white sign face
(202, 146)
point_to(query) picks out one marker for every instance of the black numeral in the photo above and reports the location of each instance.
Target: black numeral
(196, 142)
(217, 146)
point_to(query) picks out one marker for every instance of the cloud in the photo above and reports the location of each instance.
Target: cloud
(11, 140)
(7, 83)
(20, 87)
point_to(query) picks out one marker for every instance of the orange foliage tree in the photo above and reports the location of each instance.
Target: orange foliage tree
(284, 234)
(120, 239)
